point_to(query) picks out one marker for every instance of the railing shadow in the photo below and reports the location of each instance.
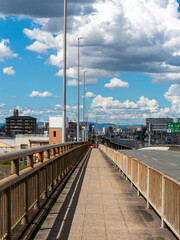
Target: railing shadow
(54, 233)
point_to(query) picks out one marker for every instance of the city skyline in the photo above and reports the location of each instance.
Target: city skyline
(130, 49)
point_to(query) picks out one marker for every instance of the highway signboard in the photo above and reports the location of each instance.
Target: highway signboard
(173, 127)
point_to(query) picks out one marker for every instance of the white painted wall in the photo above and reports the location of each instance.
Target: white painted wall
(56, 122)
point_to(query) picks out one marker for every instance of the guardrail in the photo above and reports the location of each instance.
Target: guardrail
(24, 191)
(161, 192)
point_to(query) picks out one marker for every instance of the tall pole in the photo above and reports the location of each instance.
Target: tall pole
(96, 124)
(87, 119)
(64, 78)
(149, 134)
(78, 95)
(84, 96)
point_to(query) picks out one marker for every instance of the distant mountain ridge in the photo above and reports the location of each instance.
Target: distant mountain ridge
(100, 126)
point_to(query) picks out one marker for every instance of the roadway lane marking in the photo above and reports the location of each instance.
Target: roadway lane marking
(172, 164)
(155, 159)
(144, 156)
(177, 155)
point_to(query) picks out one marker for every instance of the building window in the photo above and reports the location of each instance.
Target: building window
(54, 133)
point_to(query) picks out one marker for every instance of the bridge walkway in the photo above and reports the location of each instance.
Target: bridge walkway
(99, 204)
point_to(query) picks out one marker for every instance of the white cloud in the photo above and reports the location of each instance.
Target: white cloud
(9, 71)
(116, 83)
(173, 96)
(44, 94)
(5, 50)
(90, 95)
(110, 109)
(44, 40)
(37, 47)
(30, 112)
(72, 83)
(137, 36)
(2, 105)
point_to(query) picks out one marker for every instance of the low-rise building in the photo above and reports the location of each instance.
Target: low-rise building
(55, 130)
(7, 145)
(72, 131)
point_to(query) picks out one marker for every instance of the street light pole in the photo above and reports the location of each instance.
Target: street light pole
(78, 95)
(84, 96)
(64, 77)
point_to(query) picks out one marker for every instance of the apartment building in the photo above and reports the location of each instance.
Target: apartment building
(20, 124)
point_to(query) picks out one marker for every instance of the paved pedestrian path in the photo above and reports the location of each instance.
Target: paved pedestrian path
(99, 204)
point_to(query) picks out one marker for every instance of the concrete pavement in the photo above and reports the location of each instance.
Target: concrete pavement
(98, 204)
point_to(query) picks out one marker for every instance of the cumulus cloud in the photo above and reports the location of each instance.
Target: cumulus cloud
(91, 75)
(34, 8)
(30, 112)
(116, 83)
(134, 36)
(5, 50)
(37, 47)
(9, 71)
(72, 83)
(44, 94)
(2, 105)
(173, 96)
(113, 110)
(90, 95)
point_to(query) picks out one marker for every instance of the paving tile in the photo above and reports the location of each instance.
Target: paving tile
(106, 209)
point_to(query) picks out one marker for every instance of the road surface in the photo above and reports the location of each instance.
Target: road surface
(164, 161)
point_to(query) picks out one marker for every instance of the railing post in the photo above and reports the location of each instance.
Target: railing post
(138, 182)
(61, 149)
(30, 161)
(163, 201)
(8, 212)
(26, 198)
(122, 155)
(148, 205)
(15, 166)
(57, 151)
(131, 171)
(126, 168)
(36, 206)
(54, 152)
(46, 183)
(47, 154)
(40, 157)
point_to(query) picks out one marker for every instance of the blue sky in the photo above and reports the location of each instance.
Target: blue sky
(131, 53)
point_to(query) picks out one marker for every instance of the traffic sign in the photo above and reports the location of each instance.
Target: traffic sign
(83, 124)
(173, 127)
(150, 132)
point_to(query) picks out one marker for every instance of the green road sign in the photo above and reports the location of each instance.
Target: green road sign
(163, 132)
(150, 133)
(173, 127)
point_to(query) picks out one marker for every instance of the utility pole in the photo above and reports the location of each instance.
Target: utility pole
(78, 93)
(149, 134)
(64, 77)
(96, 122)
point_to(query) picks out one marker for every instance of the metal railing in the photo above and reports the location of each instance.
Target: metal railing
(24, 191)
(161, 192)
